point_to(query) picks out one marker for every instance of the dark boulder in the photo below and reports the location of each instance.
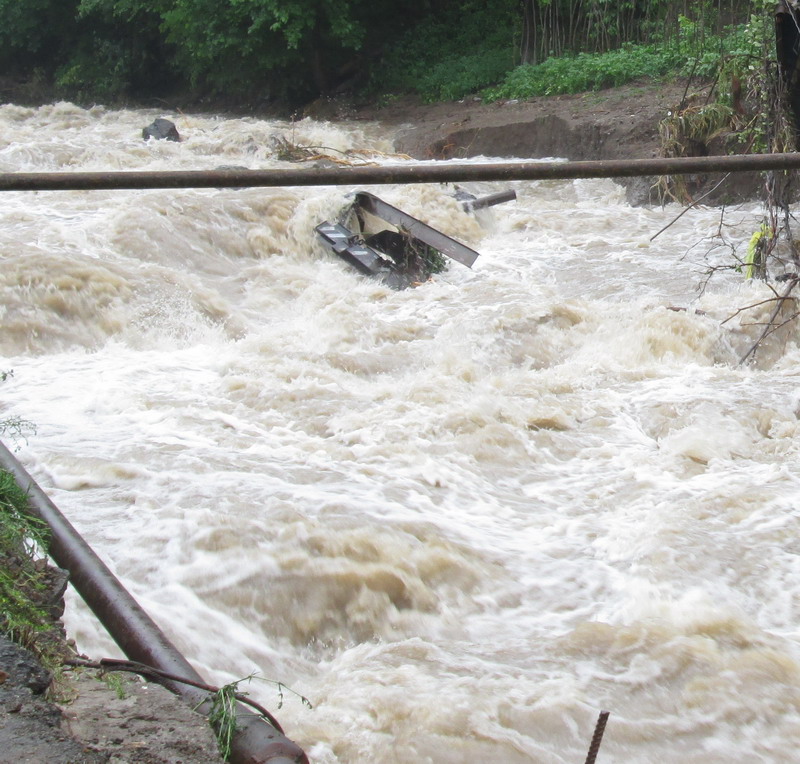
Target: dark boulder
(161, 129)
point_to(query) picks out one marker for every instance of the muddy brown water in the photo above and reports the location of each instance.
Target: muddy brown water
(461, 519)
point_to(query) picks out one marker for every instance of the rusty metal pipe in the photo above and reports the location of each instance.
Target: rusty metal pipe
(400, 173)
(255, 742)
(489, 201)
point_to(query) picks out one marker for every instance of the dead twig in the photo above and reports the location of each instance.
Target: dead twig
(113, 664)
(693, 204)
(750, 307)
(770, 326)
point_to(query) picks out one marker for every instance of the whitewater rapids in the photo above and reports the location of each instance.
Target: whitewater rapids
(460, 519)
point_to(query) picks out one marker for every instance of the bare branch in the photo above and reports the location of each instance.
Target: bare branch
(771, 327)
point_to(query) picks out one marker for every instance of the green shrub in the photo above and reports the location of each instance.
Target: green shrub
(21, 577)
(457, 77)
(33, 33)
(586, 71)
(98, 70)
(450, 54)
(692, 53)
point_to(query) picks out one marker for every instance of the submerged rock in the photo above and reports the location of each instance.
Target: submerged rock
(161, 129)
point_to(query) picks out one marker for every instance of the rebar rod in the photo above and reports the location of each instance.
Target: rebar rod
(138, 636)
(408, 172)
(597, 737)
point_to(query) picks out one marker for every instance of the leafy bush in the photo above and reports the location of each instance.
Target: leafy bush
(34, 32)
(586, 71)
(691, 53)
(450, 54)
(21, 577)
(457, 77)
(102, 70)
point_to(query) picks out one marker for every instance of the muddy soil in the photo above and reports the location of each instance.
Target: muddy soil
(84, 718)
(617, 123)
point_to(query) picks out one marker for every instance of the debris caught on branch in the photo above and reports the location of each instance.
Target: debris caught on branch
(770, 327)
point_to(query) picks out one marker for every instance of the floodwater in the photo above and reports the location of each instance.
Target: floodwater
(460, 519)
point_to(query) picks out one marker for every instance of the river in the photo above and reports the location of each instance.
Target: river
(461, 519)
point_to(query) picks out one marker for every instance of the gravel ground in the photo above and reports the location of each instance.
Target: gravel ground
(94, 720)
(131, 721)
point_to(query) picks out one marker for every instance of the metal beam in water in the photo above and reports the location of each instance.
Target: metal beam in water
(490, 200)
(409, 172)
(255, 741)
(416, 228)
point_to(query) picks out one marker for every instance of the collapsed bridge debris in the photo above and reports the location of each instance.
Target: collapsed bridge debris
(407, 255)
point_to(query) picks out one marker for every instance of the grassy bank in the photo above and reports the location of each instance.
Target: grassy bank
(24, 578)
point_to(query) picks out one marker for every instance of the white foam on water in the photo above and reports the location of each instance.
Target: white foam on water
(461, 519)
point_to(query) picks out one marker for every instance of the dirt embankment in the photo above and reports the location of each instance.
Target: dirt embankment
(617, 123)
(93, 719)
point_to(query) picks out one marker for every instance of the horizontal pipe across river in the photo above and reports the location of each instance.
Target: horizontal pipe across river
(409, 172)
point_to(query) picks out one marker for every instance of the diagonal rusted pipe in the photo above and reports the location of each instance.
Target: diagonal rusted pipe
(255, 741)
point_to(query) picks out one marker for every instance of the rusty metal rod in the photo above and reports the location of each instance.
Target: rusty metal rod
(489, 201)
(400, 173)
(255, 742)
(597, 737)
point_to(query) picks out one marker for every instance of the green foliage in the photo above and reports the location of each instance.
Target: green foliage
(298, 49)
(22, 537)
(266, 47)
(21, 576)
(457, 77)
(120, 50)
(586, 71)
(451, 54)
(221, 45)
(100, 69)
(222, 716)
(18, 531)
(553, 28)
(15, 426)
(690, 53)
(694, 125)
(34, 32)
(116, 684)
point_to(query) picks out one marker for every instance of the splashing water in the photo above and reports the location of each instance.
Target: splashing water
(462, 518)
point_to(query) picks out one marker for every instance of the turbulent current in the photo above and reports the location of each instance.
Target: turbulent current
(461, 519)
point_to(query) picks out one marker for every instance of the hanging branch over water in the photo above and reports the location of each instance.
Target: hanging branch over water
(771, 326)
(758, 104)
(690, 206)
